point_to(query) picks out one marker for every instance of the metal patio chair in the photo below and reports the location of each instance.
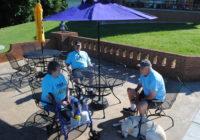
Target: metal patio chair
(46, 115)
(172, 87)
(22, 71)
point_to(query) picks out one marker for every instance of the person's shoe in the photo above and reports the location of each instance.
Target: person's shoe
(129, 110)
(91, 94)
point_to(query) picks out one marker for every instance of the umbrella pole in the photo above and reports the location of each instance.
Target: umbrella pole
(102, 102)
(42, 45)
(99, 59)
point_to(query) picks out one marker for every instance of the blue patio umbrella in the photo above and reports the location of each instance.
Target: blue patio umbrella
(99, 10)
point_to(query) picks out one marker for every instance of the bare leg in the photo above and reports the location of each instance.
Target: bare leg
(131, 94)
(142, 107)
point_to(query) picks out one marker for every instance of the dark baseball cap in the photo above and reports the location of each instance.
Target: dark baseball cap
(144, 63)
(78, 43)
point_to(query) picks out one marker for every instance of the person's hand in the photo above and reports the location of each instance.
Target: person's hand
(69, 70)
(132, 91)
(65, 103)
(68, 101)
(90, 65)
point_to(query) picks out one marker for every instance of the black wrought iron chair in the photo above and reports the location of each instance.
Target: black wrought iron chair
(159, 111)
(22, 71)
(47, 115)
(173, 87)
(51, 119)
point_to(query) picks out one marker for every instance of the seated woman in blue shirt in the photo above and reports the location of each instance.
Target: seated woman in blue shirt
(79, 61)
(153, 88)
(55, 83)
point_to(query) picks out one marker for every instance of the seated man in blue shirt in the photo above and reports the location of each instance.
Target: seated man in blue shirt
(79, 61)
(54, 83)
(153, 87)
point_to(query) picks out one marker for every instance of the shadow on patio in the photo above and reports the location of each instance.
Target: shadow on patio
(9, 132)
(7, 86)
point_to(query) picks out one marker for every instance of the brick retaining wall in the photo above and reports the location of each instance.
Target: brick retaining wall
(18, 49)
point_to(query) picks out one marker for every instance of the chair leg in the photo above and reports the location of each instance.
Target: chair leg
(162, 114)
(20, 82)
(50, 127)
(11, 78)
(140, 137)
(42, 115)
(93, 135)
(104, 116)
(15, 74)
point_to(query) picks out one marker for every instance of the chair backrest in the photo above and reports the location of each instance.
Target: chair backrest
(13, 61)
(63, 55)
(36, 90)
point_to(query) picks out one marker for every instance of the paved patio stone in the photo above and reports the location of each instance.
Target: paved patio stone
(16, 106)
(193, 132)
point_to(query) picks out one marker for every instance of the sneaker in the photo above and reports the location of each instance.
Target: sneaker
(91, 94)
(129, 110)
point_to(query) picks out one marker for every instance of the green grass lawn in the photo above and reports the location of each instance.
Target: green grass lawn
(22, 33)
(176, 38)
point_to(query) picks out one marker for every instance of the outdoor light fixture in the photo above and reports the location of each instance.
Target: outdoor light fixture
(62, 26)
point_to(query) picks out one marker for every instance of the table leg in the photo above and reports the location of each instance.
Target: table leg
(102, 105)
(115, 95)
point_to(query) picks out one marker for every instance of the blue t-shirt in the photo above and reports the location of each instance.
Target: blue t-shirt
(153, 82)
(55, 85)
(78, 60)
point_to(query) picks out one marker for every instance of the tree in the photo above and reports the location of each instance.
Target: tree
(20, 11)
(53, 6)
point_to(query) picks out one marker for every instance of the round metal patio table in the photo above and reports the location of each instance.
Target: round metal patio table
(39, 54)
(111, 76)
(41, 58)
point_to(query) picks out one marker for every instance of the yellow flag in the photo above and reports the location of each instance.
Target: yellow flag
(38, 14)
